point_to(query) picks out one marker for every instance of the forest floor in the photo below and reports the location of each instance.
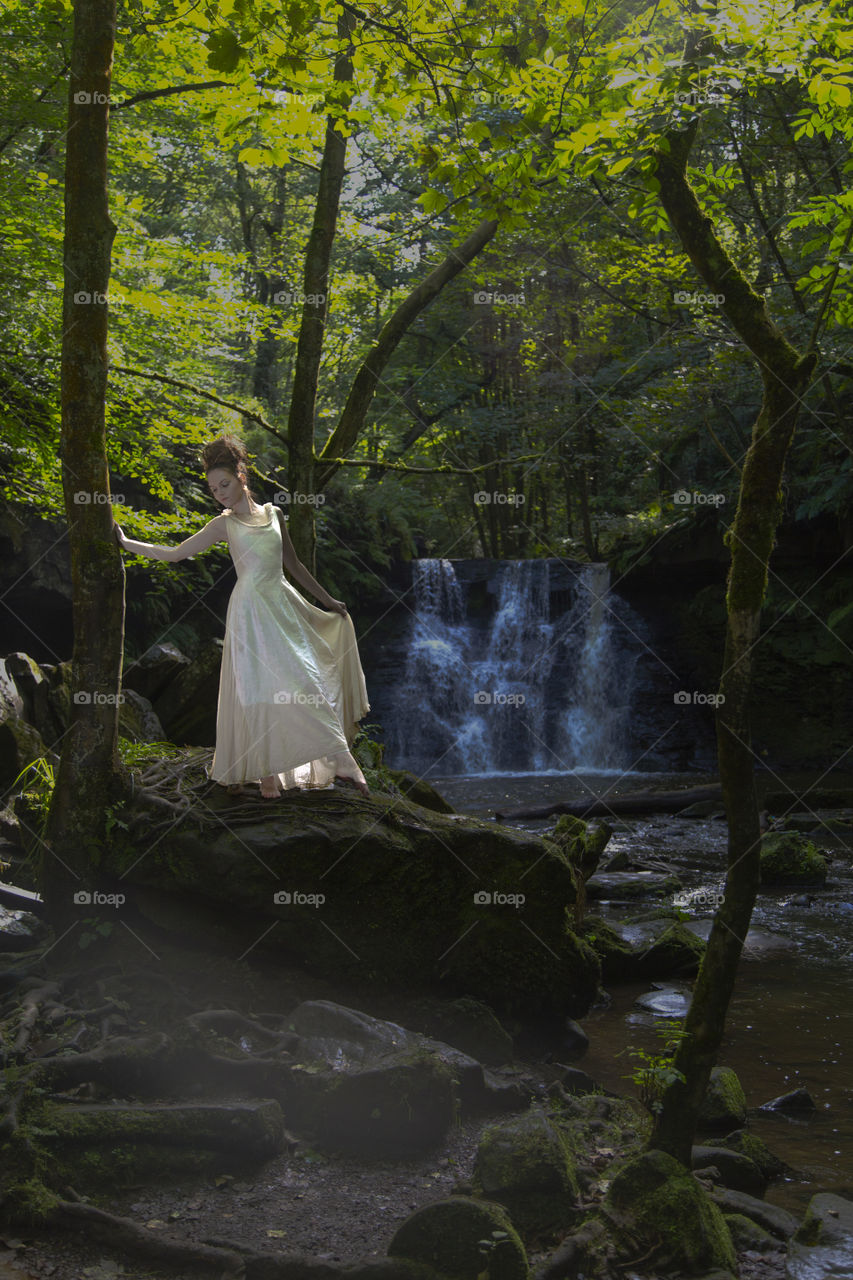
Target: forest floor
(324, 1205)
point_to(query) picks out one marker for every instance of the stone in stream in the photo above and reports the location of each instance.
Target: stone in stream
(655, 949)
(621, 886)
(787, 858)
(451, 1236)
(756, 1149)
(724, 1104)
(797, 1102)
(747, 1234)
(758, 943)
(823, 1244)
(670, 1002)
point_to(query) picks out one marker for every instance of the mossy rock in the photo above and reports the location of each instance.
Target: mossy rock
(527, 1165)
(464, 1239)
(724, 1103)
(756, 1150)
(655, 1207)
(747, 1234)
(787, 858)
(675, 952)
(582, 842)
(467, 1024)
(419, 791)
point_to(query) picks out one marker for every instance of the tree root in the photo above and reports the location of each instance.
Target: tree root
(124, 1235)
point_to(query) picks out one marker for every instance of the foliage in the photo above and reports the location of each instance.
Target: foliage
(654, 1072)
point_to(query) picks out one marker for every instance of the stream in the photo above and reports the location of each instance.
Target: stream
(790, 1022)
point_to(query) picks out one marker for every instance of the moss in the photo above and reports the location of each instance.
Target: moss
(724, 1103)
(787, 858)
(527, 1165)
(656, 1208)
(463, 1238)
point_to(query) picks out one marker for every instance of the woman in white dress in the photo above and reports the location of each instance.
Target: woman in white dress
(291, 687)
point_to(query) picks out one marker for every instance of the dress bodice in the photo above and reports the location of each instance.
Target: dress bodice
(255, 548)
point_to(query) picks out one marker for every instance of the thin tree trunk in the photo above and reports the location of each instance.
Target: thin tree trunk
(89, 777)
(785, 376)
(309, 350)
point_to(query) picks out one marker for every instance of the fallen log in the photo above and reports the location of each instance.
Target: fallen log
(640, 802)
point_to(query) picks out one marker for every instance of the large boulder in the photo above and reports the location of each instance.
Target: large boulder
(463, 1239)
(643, 952)
(397, 894)
(653, 1205)
(526, 1164)
(787, 858)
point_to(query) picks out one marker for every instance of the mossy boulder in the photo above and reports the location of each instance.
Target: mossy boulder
(582, 842)
(403, 897)
(755, 1149)
(629, 954)
(724, 1104)
(787, 858)
(527, 1165)
(735, 1170)
(419, 791)
(655, 1208)
(747, 1234)
(467, 1024)
(463, 1239)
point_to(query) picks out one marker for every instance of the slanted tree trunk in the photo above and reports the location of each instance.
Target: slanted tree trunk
(89, 773)
(785, 375)
(309, 350)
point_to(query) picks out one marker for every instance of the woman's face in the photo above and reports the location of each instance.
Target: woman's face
(225, 486)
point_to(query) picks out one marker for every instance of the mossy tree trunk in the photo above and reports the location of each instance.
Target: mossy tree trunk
(89, 773)
(785, 374)
(309, 350)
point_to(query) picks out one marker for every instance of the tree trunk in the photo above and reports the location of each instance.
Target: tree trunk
(309, 351)
(89, 776)
(785, 376)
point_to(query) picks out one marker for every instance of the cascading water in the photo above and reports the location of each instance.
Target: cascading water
(528, 689)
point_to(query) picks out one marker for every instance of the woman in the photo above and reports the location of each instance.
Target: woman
(291, 687)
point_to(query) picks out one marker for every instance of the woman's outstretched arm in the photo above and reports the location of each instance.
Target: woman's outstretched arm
(213, 531)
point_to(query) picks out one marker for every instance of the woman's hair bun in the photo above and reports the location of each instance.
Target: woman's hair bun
(226, 452)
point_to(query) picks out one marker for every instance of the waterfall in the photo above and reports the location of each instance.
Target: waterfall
(529, 687)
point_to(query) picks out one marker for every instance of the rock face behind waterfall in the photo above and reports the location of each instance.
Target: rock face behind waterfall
(380, 888)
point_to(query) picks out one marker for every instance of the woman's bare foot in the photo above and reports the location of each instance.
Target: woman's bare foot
(238, 789)
(270, 789)
(354, 782)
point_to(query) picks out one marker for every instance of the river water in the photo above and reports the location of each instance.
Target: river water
(790, 1023)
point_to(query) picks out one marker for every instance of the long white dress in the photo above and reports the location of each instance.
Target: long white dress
(291, 686)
